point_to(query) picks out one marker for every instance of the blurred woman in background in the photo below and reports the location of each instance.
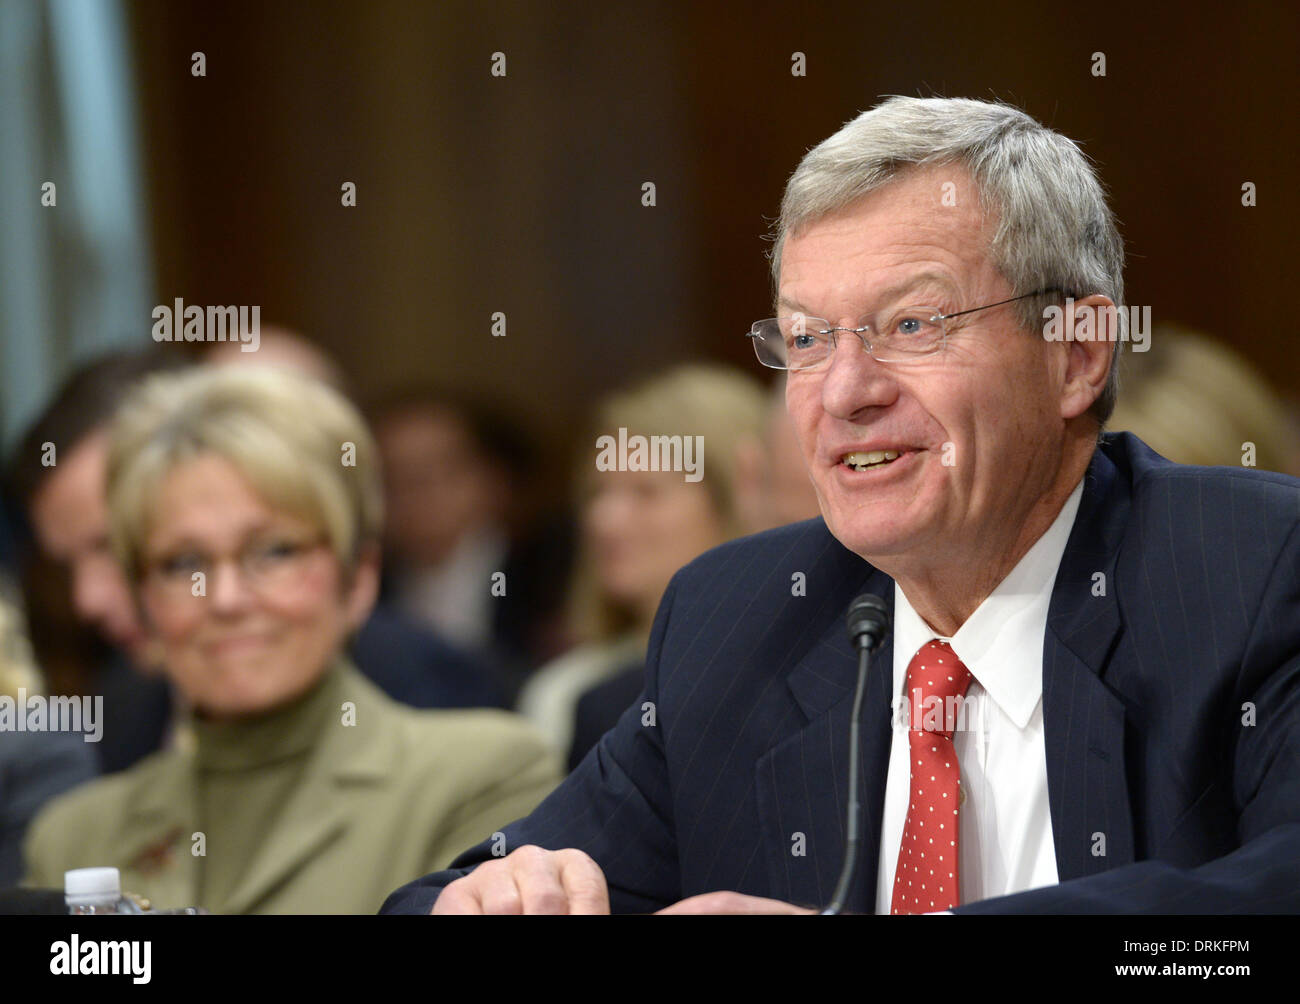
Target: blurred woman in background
(245, 510)
(34, 766)
(1194, 400)
(638, 527)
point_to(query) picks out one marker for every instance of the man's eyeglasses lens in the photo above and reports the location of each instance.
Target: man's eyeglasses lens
(798, 342)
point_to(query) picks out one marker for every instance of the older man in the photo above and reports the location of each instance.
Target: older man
(1124, 632)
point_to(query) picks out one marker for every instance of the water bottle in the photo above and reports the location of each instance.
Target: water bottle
(89, 891)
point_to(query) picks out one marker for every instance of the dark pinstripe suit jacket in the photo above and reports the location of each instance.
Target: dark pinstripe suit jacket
(1171, 706)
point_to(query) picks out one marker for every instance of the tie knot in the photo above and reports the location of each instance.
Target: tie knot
(935, 672)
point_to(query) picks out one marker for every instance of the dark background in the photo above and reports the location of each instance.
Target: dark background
(523, 193)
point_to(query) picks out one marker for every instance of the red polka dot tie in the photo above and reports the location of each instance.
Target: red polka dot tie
(925, 879)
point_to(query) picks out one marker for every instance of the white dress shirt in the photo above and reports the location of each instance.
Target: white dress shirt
(455, 598)
(1004, 840)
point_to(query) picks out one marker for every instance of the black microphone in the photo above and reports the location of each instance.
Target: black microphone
(868, 623)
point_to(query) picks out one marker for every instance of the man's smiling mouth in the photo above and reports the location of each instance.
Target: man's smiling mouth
(860, 460)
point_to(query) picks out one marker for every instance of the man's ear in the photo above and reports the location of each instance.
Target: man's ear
(362, 589)
(1092, 335)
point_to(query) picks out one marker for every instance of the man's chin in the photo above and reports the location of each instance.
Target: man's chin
(876, 543)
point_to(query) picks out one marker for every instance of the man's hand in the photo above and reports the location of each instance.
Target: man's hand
(532, 880)
(730, 902)
(529, 880)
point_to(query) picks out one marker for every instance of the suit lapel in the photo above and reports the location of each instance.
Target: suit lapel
(313, 818)
(1092, 824)
(156, 851)
(802, 782)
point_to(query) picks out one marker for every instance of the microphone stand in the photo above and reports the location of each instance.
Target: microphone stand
(853, 827)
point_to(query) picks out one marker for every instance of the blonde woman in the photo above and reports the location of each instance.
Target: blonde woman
(245, 510)
(640, 526)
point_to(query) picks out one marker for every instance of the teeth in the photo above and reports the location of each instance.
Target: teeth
(860, 460)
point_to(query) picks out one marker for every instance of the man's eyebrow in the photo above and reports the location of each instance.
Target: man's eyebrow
(888, 294)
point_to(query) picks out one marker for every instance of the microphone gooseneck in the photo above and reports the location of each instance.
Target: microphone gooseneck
(868, 624)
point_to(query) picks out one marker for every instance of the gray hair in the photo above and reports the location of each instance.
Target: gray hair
(1054, 226)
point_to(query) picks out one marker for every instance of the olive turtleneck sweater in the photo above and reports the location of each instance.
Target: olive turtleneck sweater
(302, 809)
(245, 772)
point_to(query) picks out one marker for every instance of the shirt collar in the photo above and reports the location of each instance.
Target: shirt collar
(1001, 643)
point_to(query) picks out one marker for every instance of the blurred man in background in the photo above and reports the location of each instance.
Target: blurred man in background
(466, 551)
(57, 475)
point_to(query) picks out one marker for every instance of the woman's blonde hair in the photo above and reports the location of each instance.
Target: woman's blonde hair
(725, 407)
(17, 669)
(1194, 400)
(300, 444)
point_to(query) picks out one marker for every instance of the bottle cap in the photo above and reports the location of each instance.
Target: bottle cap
(92, 885)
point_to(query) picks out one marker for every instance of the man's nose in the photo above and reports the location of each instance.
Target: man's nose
(854, 379)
